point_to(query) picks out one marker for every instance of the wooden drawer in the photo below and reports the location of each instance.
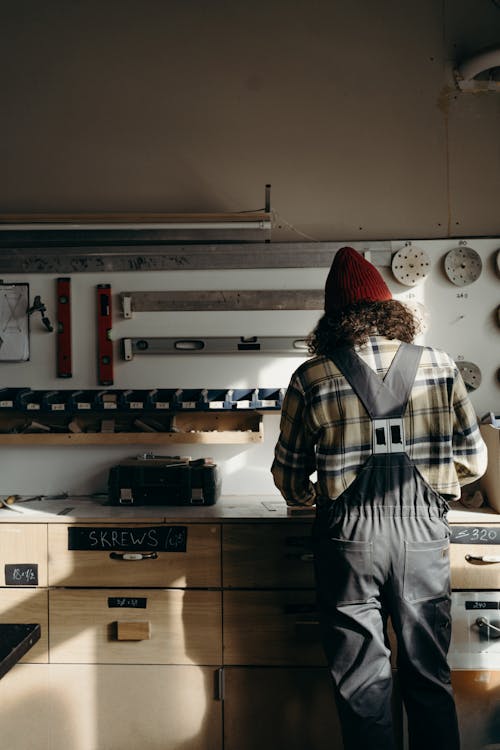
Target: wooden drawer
(271, 628)
(267, 555)
(473, 574)
(23, 545)
(276, 628)
(27, 605)
(135, 626)
(198, 565)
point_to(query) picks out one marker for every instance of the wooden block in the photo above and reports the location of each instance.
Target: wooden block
(107, 426)
(133, 631)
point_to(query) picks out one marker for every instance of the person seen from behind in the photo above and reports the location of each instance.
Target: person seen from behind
(389, 430)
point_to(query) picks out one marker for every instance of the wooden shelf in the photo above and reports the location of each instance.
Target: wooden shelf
(210, 428)
(134, 438)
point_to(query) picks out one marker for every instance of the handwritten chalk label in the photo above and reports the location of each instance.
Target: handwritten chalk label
(132, 602)
(21, 574)
(481, 605)
(475, 535)
(102, 538)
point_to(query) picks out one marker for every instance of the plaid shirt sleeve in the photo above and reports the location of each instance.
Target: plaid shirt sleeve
(294, 455)
(470, 454)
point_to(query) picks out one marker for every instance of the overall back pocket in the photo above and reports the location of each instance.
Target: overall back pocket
(345, 571)
(427, 570)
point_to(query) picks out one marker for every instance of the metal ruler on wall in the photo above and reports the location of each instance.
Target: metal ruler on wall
(138, 253)
(291, 345)
(263, 299)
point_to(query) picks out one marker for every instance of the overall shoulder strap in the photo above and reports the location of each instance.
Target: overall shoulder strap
(382, 398)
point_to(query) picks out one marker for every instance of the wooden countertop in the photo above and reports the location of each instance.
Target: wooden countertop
(230, 508)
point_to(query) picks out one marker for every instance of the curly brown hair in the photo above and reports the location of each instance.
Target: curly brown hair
(354, 324)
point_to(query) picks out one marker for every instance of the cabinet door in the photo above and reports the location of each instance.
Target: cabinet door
(88, 707)
(279, 708)
(135, 626)
(267, 556)
(28, 706)
(291, 708)
(198, 565)
(23, 546)
(477, 695)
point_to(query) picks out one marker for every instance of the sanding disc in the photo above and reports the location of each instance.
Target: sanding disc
(411, 265)
(463, 265)
(471, 374)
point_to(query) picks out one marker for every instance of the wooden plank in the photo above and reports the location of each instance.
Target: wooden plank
(135, 438)
(296, 299)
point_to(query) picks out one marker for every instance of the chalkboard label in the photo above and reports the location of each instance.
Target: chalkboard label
(22, 574)
(481, 605)
(131, 602)
(102, 538)
(475, 535)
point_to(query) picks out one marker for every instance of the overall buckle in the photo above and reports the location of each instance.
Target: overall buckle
(388, 436)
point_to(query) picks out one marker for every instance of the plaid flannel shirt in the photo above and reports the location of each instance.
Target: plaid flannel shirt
(325, 428)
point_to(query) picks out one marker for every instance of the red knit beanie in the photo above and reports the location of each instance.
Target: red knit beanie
(353, 279)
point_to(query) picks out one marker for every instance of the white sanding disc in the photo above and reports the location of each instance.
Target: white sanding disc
(463, 265)
(411, 265)
(471, 374)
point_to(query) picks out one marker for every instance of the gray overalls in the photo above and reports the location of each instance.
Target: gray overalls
(382, 549)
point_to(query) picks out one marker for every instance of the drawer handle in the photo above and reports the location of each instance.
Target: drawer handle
(133, 555)
(301, 556)
(298, 541)
(483, 558)
(133, 631)
(307, 631)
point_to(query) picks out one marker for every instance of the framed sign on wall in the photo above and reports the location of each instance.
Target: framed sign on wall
(14, 322)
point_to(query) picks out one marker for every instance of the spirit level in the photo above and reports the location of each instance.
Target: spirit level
(215, 345)
(64, 364)
(104, 343)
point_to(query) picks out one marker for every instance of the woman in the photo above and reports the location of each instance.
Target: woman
(389, 429)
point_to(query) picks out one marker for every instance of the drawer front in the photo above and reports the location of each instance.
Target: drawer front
(93, 707)
(271, 628)
(292, 708)
(135, 626)
(23, 554)
(267, 555)
(27, 605)
(198, 565)
(474, 573)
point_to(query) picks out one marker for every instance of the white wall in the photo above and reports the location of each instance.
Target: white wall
(461, 321)
(348, 108)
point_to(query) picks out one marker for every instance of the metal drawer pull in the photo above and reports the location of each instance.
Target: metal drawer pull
(484, 624)
(307, 557)
(133, 555)
(483, 558)
(307, 631)
(302, 556)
